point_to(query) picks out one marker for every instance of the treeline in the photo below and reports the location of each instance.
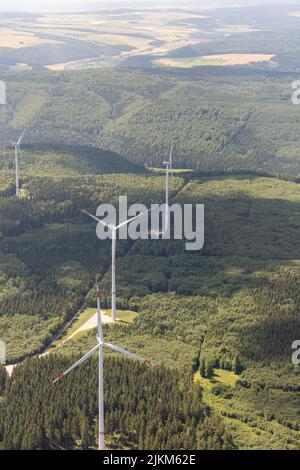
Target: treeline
(152, 412)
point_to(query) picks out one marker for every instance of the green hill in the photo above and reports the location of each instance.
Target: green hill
(219, 120)
(66, 160)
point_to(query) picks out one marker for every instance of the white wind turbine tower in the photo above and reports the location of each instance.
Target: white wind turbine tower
(113, 229)
(17, 151)
(99, 347)
(168, 165)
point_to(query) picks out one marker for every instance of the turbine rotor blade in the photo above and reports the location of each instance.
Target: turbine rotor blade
(171, 153)
(133, 218)
(111, 227)
(112, 347)
(21, 137)
(99, 318)
(80, 361)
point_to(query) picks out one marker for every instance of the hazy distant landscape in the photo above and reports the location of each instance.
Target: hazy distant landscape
(259, 37)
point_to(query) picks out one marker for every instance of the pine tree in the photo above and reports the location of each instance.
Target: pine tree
(85, 436)
(237, 366)
(3, 378)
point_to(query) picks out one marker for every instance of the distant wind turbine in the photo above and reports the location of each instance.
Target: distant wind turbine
(17, 151)
(168, 165)
(113, 229)
(99, 347)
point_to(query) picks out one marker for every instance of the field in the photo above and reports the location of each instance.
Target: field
(221, 59)
(119, 36)
(238, 59)
(150, 38)
(16, 39)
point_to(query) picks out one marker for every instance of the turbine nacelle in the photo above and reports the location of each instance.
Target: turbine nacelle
(168, 163)
(109, 346)
(113, 228)
(18, 142)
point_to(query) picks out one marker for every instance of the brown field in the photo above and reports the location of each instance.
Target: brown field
(59, 67)
(20, 67)
(138, 31)
(115, 39)
(220, 60)
(18, 39)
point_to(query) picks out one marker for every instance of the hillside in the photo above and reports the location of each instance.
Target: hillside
(65, 160)
(232, 308)
(218, 120)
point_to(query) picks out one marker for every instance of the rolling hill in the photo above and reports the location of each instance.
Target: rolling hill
(66, 160)
(218, 120)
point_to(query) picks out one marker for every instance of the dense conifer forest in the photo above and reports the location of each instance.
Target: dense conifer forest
(152, 412)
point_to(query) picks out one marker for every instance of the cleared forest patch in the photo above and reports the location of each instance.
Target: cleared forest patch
(217, 59)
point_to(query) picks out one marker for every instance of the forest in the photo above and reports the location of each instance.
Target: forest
(218, 324)
(219, 120)
(151, 413)
(234, 306)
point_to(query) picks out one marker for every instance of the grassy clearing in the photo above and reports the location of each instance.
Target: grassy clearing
(28, 108)
(124, 316)
(174, 170)
(188, 62)
(239, 59)
(255, 433)
(81, 320)
(221, 60)
(225, 377)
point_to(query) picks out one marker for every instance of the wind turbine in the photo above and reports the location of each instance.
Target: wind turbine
(168, 165)
(99, 347)
(17, 150)
(113, 229)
